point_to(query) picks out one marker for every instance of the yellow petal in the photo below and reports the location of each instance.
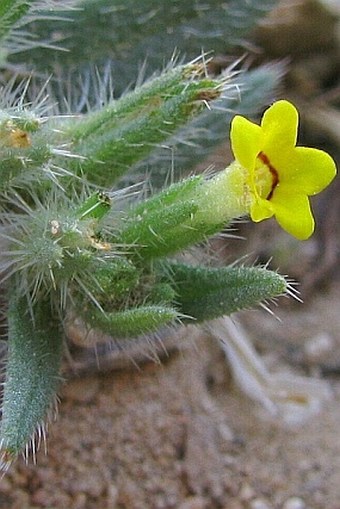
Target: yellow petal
(279, 125)
(307, 170)
(293, 213)
(245, 141)
(261, 209)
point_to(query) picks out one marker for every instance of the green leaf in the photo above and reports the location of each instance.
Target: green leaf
(111, 140)
(131, 322)
(32, 375)
(205, 293)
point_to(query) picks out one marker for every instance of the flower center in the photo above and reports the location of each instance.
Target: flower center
(266, 177)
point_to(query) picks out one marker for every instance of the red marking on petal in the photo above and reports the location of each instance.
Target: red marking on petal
(275, 176)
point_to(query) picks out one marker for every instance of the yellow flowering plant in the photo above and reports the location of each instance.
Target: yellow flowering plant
(82, 249)
(109, 268)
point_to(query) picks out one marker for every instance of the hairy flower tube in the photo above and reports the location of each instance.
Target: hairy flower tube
(278, 176)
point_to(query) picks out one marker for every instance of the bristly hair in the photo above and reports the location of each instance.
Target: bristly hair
(38, 439)
(17, 37)
(33, 248)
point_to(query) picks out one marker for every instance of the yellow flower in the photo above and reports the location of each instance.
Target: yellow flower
(280, 176)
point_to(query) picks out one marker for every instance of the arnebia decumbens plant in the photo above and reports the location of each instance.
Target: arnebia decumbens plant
(76, 242)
